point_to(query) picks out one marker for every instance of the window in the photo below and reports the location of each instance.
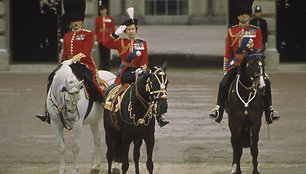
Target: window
(166, 7)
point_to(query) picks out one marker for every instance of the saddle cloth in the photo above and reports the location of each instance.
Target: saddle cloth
(114, 97)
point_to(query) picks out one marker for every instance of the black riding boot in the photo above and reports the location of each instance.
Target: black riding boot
(270, 114)
(217, 112)
(161, 120)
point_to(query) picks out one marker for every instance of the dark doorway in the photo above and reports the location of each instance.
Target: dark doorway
(291, 39)
(34, 30)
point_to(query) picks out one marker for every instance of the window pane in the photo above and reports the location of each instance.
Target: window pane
(149, 7)
(183, 7)
(172, 7)
(160, 7)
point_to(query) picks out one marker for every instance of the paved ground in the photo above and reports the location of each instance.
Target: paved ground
(192, 143)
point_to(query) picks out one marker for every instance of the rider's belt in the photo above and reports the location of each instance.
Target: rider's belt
(129, 64)
(239, 56)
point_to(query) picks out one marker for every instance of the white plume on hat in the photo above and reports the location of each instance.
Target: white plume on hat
(130, 12)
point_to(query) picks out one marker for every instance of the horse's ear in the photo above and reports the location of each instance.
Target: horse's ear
(64, 89)
(164, 66)
(80, 84)
(248, 50)
(150, 67)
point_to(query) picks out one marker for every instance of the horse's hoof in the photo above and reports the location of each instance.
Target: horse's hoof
(94, 171)
(255, 172)
(116, 171)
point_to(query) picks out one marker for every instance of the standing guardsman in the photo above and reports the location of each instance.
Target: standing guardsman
(103, 28)
(262, 24)
(133, 53)
(77, 50)
(239, 37)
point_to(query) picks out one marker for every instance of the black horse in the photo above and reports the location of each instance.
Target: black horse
(245, 108)
(145, 99)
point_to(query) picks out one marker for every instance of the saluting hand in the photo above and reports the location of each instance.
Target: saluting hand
(120, 30)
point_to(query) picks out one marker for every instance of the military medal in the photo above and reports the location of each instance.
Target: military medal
(138, 53)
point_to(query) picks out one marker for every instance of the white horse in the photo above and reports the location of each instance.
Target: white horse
(67, 99)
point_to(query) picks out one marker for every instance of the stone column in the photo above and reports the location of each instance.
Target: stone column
(268, 10)
(4, 35)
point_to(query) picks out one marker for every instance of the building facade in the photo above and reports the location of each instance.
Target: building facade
(149, 12)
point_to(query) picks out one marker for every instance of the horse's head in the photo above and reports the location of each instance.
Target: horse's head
(252, 66)
(70, 96)
(157, 83)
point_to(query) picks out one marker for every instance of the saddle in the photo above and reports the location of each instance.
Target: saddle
(114, 95)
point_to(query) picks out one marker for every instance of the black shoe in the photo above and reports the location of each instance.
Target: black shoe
(215, 114)
(162, 121)
(45, 117)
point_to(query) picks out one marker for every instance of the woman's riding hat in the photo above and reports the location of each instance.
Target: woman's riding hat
(243, 7)
(75, 9)
(131, 21)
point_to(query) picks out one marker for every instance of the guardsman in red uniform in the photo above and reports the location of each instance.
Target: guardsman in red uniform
(103, 28)
(239, 37)
(133, 54)
(77, 50)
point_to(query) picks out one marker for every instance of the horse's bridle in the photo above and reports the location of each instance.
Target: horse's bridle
(63, 110)
(154, 96)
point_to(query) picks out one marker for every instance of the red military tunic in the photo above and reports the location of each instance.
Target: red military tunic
(78, 46)
(104, 27)
(132, 53)
(237, 40)
(79, 42)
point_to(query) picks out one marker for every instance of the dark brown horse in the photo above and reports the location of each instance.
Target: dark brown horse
(145, 99)
(245, 108)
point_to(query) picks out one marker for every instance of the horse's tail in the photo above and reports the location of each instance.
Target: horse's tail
(245, 136)
(117, 147)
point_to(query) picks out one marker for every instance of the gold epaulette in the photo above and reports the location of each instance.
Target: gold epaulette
(86, 30)
(254, 26)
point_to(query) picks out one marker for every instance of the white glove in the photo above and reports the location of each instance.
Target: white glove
(120, 30)
(139, 71)
(67, 62)
(250, 44)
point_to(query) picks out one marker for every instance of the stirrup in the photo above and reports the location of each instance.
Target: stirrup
(214, 114)
(274, 115)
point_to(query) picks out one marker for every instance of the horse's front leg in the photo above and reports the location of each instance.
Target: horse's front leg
(254, 148)
(76, 133)
(137, 145)
(125, 153)
(97, 141)
(58, 129)
(237, 148)
(150, 141)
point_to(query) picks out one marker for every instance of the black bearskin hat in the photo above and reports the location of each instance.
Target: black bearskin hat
(75, 9)
(102, 7)
(243, 7)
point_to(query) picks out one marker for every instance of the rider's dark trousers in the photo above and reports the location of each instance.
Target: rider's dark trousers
(104, 54)
(83, 73)
(224, 89)
(128, 75)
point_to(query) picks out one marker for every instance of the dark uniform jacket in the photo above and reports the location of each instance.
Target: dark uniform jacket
(262, 24)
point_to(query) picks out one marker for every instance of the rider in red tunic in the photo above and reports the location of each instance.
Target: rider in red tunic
(77, 52)
(133, 54)
(240, 37)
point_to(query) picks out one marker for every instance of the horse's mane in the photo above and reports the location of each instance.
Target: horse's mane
(242, 67)
(61, 75)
